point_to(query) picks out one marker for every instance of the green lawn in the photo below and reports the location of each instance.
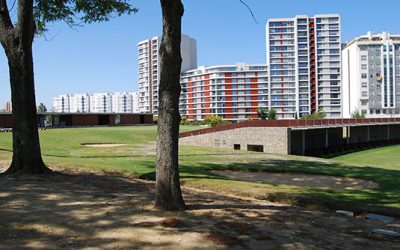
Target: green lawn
(63, 147)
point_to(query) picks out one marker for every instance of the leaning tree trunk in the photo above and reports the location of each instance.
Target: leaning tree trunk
(26, 147)
(168, 190)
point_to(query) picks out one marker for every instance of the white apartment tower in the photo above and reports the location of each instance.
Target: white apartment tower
(149, 69)
(303, 55)
(371, 75)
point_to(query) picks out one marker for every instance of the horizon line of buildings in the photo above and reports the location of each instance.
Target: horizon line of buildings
(307, 69)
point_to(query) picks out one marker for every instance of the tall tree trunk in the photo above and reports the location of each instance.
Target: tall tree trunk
(17, 43)
(26, 146)
(168, 190)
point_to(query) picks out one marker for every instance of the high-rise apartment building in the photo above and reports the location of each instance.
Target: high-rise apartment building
(149, 69)
(126, 102)
(233, 92)
(303, 56)
(371, 75)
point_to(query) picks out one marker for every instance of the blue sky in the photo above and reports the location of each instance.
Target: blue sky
(102, 57)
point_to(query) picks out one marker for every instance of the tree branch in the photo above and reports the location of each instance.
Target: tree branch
(5, 19)
(251, 12)
(12, 6)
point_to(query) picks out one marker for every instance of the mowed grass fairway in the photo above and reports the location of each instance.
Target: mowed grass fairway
(64, 148)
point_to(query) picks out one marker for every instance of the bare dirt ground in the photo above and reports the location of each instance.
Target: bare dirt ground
(306, 180)
(77, 209)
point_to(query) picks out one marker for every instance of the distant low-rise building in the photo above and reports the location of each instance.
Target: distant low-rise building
(7, 107)
(126, 102)
(371, 75)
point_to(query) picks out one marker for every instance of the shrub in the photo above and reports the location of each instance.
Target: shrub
(262, 113)
(272, 115)
(214, 120)
(320, 114)
(358, 114)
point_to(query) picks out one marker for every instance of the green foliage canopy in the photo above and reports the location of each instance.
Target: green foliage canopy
(76, 12)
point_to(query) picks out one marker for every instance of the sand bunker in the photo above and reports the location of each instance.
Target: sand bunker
(305, 180)
(103, 145)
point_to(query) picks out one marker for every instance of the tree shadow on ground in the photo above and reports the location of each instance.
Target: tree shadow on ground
(383, 198)
(89, 210)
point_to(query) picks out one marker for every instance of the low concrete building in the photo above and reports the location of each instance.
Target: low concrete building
(82, 120)
(299, 137)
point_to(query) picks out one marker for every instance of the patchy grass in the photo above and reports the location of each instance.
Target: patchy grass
(63, 148)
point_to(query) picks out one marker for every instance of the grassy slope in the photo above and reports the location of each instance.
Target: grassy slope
(63, 147)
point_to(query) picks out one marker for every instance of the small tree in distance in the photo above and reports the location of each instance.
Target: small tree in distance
(357, 114)
(42, 108)
(262, 113)
(320, 114)
(272, 114)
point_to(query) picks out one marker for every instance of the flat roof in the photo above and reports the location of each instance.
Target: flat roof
(297, 124)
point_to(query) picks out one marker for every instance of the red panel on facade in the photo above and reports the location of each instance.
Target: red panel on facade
(228, 74)
(254, 80)
(228, 81)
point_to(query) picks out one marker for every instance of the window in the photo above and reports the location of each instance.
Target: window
(364, 76)
(363, 58)
(256, 148)
(363, 66)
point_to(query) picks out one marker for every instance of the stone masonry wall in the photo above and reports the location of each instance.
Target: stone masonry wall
(273, 139)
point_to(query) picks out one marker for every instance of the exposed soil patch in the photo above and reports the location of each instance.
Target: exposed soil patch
(304, 180)
(103, 145)
(78, 209)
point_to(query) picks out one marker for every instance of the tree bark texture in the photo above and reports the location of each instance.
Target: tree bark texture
(168, 190)
(17, 43)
